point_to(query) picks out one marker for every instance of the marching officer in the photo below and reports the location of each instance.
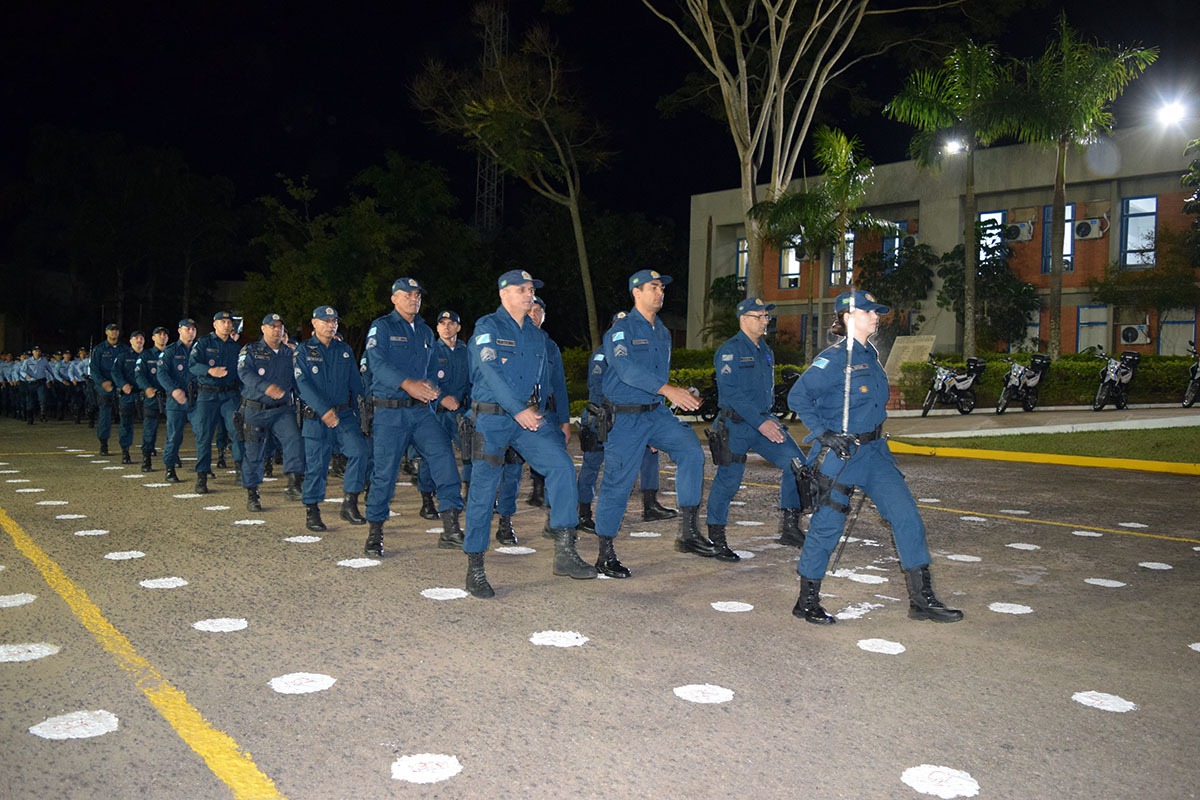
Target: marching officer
(328, 382)
(400, 348)
(454, 387)
(153, 407)
(745, 369)
(508, 355)
(124, 371)
(213, 365)
(101, 365)
(266, 369)
(842, 399)
(177, 383)
(35, 371)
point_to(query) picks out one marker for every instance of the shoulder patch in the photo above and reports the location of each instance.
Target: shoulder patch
(727, 356)
(618, 335)
(820, 362)
(483, 338)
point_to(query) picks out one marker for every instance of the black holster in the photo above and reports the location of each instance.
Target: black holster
(718, 444)
(239, 425)
(807, 484)
(466, 438)
(366, 414)
(602, 416)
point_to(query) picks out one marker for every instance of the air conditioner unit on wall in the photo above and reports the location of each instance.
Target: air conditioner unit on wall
(1088, 229)
(1018, 232)
(910, 240)
(1135, 334)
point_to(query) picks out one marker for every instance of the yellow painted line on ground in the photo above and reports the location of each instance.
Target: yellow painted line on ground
(1172, 467)
(219, 751)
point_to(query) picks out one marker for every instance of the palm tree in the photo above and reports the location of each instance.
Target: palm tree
(962, 102)
(1066, 101)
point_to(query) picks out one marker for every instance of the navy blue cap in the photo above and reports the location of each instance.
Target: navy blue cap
(324, 312)
(863, 301)
(450, 315)
(222, 315)
(518, 277)
(753, 304)
(407, 285)
(136, 334)
(537, 301)
(645, 276)
(272, 319)
(112, 326)
(186, 322)
(158, 330)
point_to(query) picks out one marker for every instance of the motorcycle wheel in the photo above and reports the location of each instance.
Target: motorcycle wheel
(708, 414)
(1002, 402)
(1030, 401)
(1121, 401)
(966, 402)
(1189, 397)
(929, 398)
(1101, 396)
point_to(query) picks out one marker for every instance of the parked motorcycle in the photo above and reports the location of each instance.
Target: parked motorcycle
(708, 409)
(1193, 388)
(1115, 378)
(779, 406)
(951, 388)
(1021, 383)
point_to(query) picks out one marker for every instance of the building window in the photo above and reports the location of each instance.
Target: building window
(743, 261)
(1138, 218)
(1068, 239)
(789, 269)
(1091, 327)
(845, 275)
(996, 237)
(893, 243)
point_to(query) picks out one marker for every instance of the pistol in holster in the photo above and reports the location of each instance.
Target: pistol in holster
(366, 414)
(466, 438)
(718, 443)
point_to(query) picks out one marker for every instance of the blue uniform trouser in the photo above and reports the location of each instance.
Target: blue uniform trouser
(545, 452)
(259, 425)
(150, 415)
(392, 432)
(449, 421)
(590, 472)
(214, 409)
(744, 437)
(319, 440)
(127, 413)
(177, 417)
(35, 395)
(104, 412)
(623, 455)
(510, 486)
(873, 469)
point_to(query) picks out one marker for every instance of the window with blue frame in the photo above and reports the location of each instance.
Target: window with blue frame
(742, 266)
(1139, 216)
(845, 275)
(789, 268)
(892, 243)
(997, 235)
(1068, 239)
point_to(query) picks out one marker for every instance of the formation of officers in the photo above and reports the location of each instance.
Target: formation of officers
(500, 399)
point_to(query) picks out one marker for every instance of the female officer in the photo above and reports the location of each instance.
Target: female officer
(850, 451)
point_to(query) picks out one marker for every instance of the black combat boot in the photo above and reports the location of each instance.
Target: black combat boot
(586, 521)
(173, 476)
(428, 509)
(922, 603)
(294, 489)
(350, 509)
(505, 533)
(477, 582)
(221, 460)
(374, 546)
(146, 466)
(104, 447)
(269, 468)
(125, 457)
(652, 510)
(716, 535)
(808, 605)
(201, 483)
(607, 562)
(537, 490)
(566, 557)
(690, 540)
(337, 466)
(237, 467)
(452, 535)
(790, 534)
(252, 500)
(312, 518)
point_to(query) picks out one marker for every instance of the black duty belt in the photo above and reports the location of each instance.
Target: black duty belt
(488, 408)
(636, 409)
(217, 389)
(732, 415)
(257, 406)
(383, 402)
(871, 436)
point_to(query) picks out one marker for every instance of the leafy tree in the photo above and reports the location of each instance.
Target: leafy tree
(900, 279)
(1191, 180)
(1170, 284)
(724, 294)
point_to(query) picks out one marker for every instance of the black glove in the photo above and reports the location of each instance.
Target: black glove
(839, 443)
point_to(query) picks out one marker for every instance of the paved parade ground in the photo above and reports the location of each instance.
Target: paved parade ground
(159, 644)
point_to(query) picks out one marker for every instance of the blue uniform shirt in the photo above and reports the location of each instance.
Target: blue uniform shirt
(326, 377)
(101, 362)
(37, 369)
(555, 386)
(124, 368)
(639, 360)
(451, 371)
(398, 350)
(507, 361)
(819, 393)
(259, 366)
(595, 379)
(211, 351)
(146, 369)
(173, 370)
(745, 378)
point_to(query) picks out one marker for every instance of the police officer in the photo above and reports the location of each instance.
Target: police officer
(454, 387)
(146, 374)
(508, 356)
(85, 390)
(266, 369)
(178, 384)
(36, 372)
(328, 382)
(846, 381)
(638, 351)
(213, 365)
(124, 371)
(400, 349)
(101, 363)
(745, 370)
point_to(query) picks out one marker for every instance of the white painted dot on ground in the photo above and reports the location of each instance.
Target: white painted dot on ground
(359, 563)
(960, 557)
(29, 491)
(858, 610)
(854, 576)
(644, 535)
(124, 555)
(51, 503)
(27, 651)
(443, 593)
(1155, 565)
(433, 530)
(301, 683)
(155, 485)
(928, 500)
(1010, 608)
(973, 518)
(670, 494)
(250, 522)
(749, 523)
(162, 583)
(77, 725)
(17, 480)
(70, 516)
(1024, 546)
(737, 502)
(744, 554)
(942, 782)
(221, 625)
(269, 480)
(9, 471)
(425, 768)
(515, 550)
(1132, 525)
(186, 496)
(99, 461)
(1089, 534)
(216, 508)
(1104, 702)
(704, 693)
(559, 639)
(85, 455)
(92, 532)
(303, 539)
(1105, 582)
(1018, 512)
(1195, 646)
(331, 500)
(14, 600)
(73, 451)
(881, 646)
(731, 606)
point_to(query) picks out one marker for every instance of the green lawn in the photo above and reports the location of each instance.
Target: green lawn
(1160, 444)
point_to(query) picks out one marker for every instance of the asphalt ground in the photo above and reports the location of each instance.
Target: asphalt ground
(811, 711)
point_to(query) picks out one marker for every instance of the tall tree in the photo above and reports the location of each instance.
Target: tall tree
(961, 102)
(1066, 101)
